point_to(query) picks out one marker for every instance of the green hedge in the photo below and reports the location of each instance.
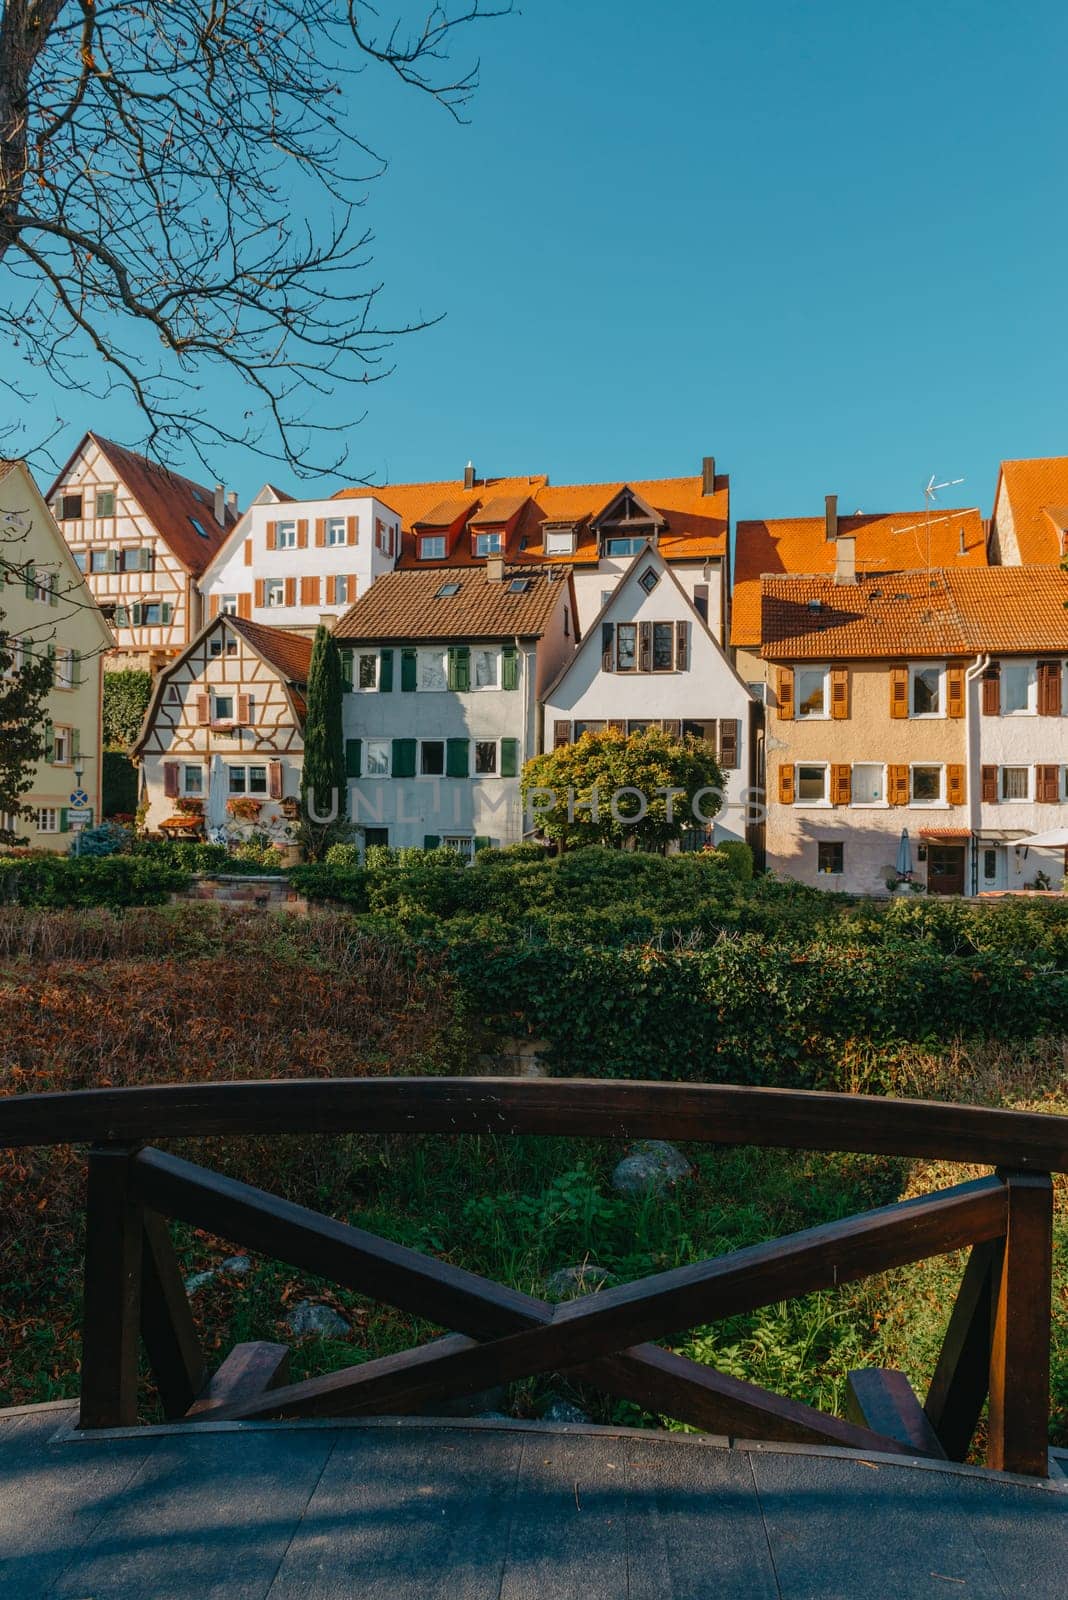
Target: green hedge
(97, 881)
(119, 796)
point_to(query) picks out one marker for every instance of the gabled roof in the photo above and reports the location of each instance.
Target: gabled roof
(412, 502)
(1038, 491)
(74, 591)
(893, 541)
(405, 606)
(445, 513)
(969, 611)
(169, 501)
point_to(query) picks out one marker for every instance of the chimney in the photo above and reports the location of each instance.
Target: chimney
(220, 504)
(231, 501)
(469, 475)
(845, 559)
(831, 515)
(327, 619)
(494, 569)
(708, 475)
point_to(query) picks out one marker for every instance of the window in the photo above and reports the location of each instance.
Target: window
(925, 698)
(336, 532)
(1017, 678)
(151, 614)
(560, 542)
(606, 595)
(61, 747)
(700, 730)
(432, 757)
(68, 509)
(136, 560)
(588, 727)
(44, 587)
(812, 784)
(432, 670)
(193, 781)
(80, 559)
(519, 586)
(643, 723)
(99, 560)
(868, 784)
(487, 674)
(1015, 783)
(105, 502)
(432, 547)
(285, 536)
(63, 674)
(926, 785)
(378, 758)
(700, 600)
(463, 846)
(223, 709)
(215, 646)
(447, 591)
(228, 605)
(274, 592)
(663, 646)
(248, 780)
(830, 858)
(489, 544)
(623, 547)
(485, 755)
(344, 589)
(367, 671)
(199, 526)
(811, 691)
(174, 697)
(649, 580)
(626, 647)
(47, 819)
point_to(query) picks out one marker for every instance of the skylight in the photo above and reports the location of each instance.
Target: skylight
(519, 586)
(446, 590)
(198, 527)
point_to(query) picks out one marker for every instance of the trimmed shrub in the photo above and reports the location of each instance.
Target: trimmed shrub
(739, 858)
(85, 881)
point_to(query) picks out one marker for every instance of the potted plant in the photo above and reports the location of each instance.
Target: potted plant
(187, 806)
(244, 807)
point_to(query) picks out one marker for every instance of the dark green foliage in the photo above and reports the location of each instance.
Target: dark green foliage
(23, 694)
(81, 881)
(323, 772)
(126, 697)
(739, 858)
(119, 783)
(109, 839)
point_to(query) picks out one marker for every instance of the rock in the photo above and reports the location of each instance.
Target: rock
(652, 1167)
(561, 1410)
(569, 1282)
(197, 1280)
(307, 1316)
(238, 1265)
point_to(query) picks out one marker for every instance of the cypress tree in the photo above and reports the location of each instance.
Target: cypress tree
(324, 750)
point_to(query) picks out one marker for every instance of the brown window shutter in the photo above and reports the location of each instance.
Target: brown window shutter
(1049, 688)
(841, 784)
(244, 605)
(645, 647)
(352, 589)
(728, 743)
(608, 646)
(785, 694)
(248, 552)
(329, 591)
(992, 692)
(897, 784)
(291, 592)
(561, 734)
(244, 709)
(309, 591)
(899, 694)
(272, 535)
(261, 593)
(955, 690)
(955, 784)
(302, 533)
(786, 784)
(1047, 785)
(989, 788)
(320, 533)
(274, 780)
(213, 606)
(839, 692)
(170, 779)
(682, 646)
(352, 528)
(203, 708)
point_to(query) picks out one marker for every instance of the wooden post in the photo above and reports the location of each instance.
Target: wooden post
(961, 1379)
(111, 1313)
(170, 1336)
(1019, 1356)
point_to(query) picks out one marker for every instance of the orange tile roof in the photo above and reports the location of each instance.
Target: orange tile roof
(288, 653)
(1038, 492)
(886, 542)
(948, 612)
(404, 605)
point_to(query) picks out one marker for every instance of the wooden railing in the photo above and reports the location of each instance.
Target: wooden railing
(996, 1344)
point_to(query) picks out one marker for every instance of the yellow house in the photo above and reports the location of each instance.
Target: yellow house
(47, 609)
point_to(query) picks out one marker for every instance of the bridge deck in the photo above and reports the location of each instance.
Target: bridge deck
(501, 1512)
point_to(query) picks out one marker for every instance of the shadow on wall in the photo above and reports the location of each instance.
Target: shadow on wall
(866, 858)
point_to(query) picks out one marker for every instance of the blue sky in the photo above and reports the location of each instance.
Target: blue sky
(827, 243)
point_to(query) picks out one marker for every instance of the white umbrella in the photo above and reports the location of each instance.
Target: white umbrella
(904, 856)
(1052, 839)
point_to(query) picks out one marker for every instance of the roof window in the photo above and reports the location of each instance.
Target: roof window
(198, 527)
(446, 590)
(519, 586)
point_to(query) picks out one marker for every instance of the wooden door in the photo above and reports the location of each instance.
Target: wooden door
(945, 869)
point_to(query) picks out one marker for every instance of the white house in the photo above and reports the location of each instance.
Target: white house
(650, 659)
(296, 563)
(446, 669)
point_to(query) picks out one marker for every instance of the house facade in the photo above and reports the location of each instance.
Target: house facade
(47, 610)
(445, 672)
(141, 535)
(649, 659)
(1029, 526)
(294, 564)
(225, 725)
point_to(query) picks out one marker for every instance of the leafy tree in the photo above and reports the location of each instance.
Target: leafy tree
(25, 679)
(323, 774)
(126, 697)
(181, 183)
(605, 764)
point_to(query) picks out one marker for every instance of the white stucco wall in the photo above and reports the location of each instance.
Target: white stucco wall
(591, 585)
(1019, 739)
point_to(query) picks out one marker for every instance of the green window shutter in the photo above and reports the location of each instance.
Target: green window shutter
(64, 820)
(53, 589)
(509, 667)
(509, 758)
(353, 758)
(135, 615)
(403, 762)
(385, 671)
(408, 670)
(50, 652)
(75, 668)
(346, 669)
(457, 758)
(75, 745)
(49, 736)
(31, 580)
(459, 668)
(168, 612)
(113, 560)
(122, 617)
(430, 841)
(482, 844)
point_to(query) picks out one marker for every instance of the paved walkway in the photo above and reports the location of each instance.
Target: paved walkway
(501, 1512)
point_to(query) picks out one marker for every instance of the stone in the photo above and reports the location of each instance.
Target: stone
(561, 1410)
(307, 1317)
(652, 1167)
(569, 1282)
(197, 1280)
(238, 1265)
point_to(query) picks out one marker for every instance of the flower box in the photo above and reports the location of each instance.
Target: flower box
(244, 807)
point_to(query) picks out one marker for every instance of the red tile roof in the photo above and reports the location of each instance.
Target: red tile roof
(948, 612)
(405, 605)
(886, 542)
(288, 653)
(1038, 492)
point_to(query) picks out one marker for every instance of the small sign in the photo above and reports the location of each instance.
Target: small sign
(78, 797)
(80, 816)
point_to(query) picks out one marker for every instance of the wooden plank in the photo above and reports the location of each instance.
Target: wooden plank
(884, 1400)
(720, 1113)
(112, 1302)
(247, 1373)
(1018, 1426)
(167, 1328)
(962, 1376)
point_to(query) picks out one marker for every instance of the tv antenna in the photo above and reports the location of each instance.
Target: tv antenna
(929, 495)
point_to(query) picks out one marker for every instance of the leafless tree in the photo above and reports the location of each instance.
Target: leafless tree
(180, 183)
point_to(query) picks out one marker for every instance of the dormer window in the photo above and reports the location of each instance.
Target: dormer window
(432, 547)
(560, 541)
(489, 544)
(619, 546)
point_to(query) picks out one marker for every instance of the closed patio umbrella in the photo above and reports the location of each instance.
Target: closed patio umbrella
(904, 856)
(1052, 839)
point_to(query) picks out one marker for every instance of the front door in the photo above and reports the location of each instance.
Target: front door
(945, 869)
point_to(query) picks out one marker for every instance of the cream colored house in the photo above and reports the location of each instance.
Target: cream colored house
(47, 608)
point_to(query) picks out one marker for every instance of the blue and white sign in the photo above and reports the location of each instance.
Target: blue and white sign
(78, 797)
(80, 816)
